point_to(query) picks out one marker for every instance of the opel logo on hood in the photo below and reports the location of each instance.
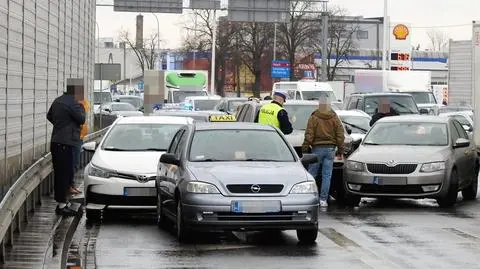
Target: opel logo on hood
(255, 188)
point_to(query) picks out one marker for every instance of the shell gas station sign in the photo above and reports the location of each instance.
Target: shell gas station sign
(400, 47)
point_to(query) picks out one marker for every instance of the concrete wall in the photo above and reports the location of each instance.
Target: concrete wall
(42, 43)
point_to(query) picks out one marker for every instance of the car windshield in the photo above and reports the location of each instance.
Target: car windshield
(358, 124)
(234, 104)
(201, 105)
(315, 95)
(239, 145)
(123, 107)
(102, 97)
(406, 133)
(401, 104)
(140, 137)
(423, 97)
(299, 115)
(179, 96)
(136, 102)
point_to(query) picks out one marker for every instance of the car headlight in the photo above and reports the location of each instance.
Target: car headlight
(355, 166)
(201, 187)
(304, 187)
(432, 167)
(99, 172)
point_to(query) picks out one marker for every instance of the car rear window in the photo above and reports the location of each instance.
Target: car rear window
(401, 104)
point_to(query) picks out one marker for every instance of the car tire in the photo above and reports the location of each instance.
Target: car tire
(183, 233)
(351, 200)
(93, 215)
(451, 197)
(470, 193)
(307, 236)
(161, 218)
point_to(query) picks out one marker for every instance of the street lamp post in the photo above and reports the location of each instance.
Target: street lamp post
(158, 39)
(214, 43)
(385, 41)
(98, 60)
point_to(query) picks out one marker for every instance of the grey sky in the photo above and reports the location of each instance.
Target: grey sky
(452, 17)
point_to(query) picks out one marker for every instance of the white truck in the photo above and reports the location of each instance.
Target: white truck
(416, 83)
(306, 90)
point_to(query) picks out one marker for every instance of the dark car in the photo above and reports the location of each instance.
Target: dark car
(236, 177)
(402, 103)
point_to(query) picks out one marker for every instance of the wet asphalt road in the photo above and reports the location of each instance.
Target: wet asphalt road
(378, 234)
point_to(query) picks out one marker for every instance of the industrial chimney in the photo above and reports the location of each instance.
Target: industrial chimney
(139, 34)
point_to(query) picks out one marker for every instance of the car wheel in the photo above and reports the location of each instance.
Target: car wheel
(451, 197)
(470, 193)
(161, 219)
(183, 234)
(352, 200)
(93, 215)
(307, 236)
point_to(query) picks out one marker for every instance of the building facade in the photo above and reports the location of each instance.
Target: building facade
(42, 44)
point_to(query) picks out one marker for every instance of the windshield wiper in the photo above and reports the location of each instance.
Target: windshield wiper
(355, 126)
(374, 144)
(115, 149)
(260, 160)
(151, 149)
(212, 160)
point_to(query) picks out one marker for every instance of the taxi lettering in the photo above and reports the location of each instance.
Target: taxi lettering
(224, 118)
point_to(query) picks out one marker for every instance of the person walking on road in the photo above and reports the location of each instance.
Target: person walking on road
(274, 114)
(384, 110)
(77, 150)
(324, 137)
(66, 115)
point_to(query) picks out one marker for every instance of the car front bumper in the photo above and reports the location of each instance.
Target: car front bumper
(213, 212)
(415, 185)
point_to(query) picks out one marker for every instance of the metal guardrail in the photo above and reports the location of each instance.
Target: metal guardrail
(25, 194)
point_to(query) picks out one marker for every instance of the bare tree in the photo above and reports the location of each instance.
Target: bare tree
(296, 32)
(341, 42)
(146, 54)
(199, 38)
(255, 44)
(438, 40)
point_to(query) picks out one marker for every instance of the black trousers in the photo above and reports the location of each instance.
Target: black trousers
(62, 159)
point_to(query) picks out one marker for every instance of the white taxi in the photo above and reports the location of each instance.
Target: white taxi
(123, 169)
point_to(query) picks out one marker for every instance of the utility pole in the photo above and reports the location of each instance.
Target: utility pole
(275, 43)
(385, 41)
(324, 45)
(214, 45)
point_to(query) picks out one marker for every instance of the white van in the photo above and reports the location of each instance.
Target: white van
(201, 103)
(306, 90)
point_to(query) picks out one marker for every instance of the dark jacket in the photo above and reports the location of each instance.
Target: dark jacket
(285, 124)
(66, 115)
(378, 116)
(324, 128)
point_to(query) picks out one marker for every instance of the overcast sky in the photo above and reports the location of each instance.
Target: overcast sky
(452, 17)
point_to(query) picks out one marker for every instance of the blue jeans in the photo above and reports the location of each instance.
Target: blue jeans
(76, 160)
(326, 157)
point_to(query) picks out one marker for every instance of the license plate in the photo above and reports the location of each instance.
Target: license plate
(139, 191)
(389, 180)
(256, 206)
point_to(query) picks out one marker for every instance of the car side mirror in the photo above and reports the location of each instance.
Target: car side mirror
(424, 111)
(169, 158)
(90, 146)
(468, 128)
(461, 143)
(349, 130)
(308, 159)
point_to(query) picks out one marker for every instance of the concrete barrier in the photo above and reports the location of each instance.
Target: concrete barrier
(25, 194)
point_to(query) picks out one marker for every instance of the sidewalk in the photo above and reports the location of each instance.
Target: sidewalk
(33, 246)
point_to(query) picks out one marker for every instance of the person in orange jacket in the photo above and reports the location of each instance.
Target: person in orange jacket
(77, 150)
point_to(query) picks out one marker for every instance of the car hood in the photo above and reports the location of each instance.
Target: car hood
(136, 162)
(223, 173)
(400, 154)
(128, 113)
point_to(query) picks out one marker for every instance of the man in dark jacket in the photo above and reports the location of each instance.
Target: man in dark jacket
(324, 137)
(384, 110)
(274, 114)
(67, 115)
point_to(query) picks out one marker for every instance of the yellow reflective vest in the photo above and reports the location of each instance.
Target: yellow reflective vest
(268, 114)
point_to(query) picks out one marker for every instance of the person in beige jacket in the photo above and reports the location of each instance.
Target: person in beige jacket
(324, 137)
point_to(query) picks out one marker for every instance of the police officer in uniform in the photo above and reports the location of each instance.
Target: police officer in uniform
(274, 114)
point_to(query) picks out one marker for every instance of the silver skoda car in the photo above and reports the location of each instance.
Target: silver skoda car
(413, 157)
(236, 176)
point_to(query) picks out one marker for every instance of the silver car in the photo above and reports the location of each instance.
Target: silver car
(236, 176)
(413, 157)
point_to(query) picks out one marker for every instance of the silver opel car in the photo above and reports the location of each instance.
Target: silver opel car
(413, 157)
(237, 177)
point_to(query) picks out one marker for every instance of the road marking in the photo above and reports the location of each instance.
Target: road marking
(367, 257)
(461, 234)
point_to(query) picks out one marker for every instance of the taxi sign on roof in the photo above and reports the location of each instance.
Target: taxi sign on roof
(222, 118)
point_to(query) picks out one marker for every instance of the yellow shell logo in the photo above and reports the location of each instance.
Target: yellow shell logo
(401, 32)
